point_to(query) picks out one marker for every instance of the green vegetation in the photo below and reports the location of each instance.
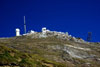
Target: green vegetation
(13, 57)
(45, 52)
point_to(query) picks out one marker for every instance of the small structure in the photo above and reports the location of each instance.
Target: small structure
(44, 30)
(17, 32)
(67, 33)
(89, 37)
(74, 38)
(47, 30)
(32, 32)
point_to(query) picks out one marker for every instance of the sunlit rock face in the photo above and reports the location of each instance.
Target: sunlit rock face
(73, 51)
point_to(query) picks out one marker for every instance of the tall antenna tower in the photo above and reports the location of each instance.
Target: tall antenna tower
(89, 37)
(24, 25)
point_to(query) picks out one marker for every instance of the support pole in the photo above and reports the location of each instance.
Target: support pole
(24, 25)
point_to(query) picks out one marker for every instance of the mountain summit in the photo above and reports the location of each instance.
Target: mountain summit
(48, 49)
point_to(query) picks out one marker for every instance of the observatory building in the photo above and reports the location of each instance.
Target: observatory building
(44, 30)
(17, 32)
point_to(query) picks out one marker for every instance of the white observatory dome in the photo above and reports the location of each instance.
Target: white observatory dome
(17, 32)
(17, 29)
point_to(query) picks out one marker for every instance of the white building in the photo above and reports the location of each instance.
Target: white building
(17, 32)
(44, 30)
(67, 33)
(32, 32)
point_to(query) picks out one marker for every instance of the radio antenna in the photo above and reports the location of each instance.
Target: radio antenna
(89, 37)
(24, 25)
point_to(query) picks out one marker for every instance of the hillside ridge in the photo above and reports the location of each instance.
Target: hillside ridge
(28, 51)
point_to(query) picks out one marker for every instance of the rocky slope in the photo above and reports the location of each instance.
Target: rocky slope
(25, 51)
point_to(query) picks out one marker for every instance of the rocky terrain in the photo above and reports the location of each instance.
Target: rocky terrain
(53, 51)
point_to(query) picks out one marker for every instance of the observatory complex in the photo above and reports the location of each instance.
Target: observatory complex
(47, 33)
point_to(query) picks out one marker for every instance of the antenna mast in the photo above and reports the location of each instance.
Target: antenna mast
(24, 25)
(89, 37)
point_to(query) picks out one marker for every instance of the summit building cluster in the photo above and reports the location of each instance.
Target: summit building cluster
(47, 33)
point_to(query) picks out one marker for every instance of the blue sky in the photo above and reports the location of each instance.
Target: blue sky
(78, 17)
